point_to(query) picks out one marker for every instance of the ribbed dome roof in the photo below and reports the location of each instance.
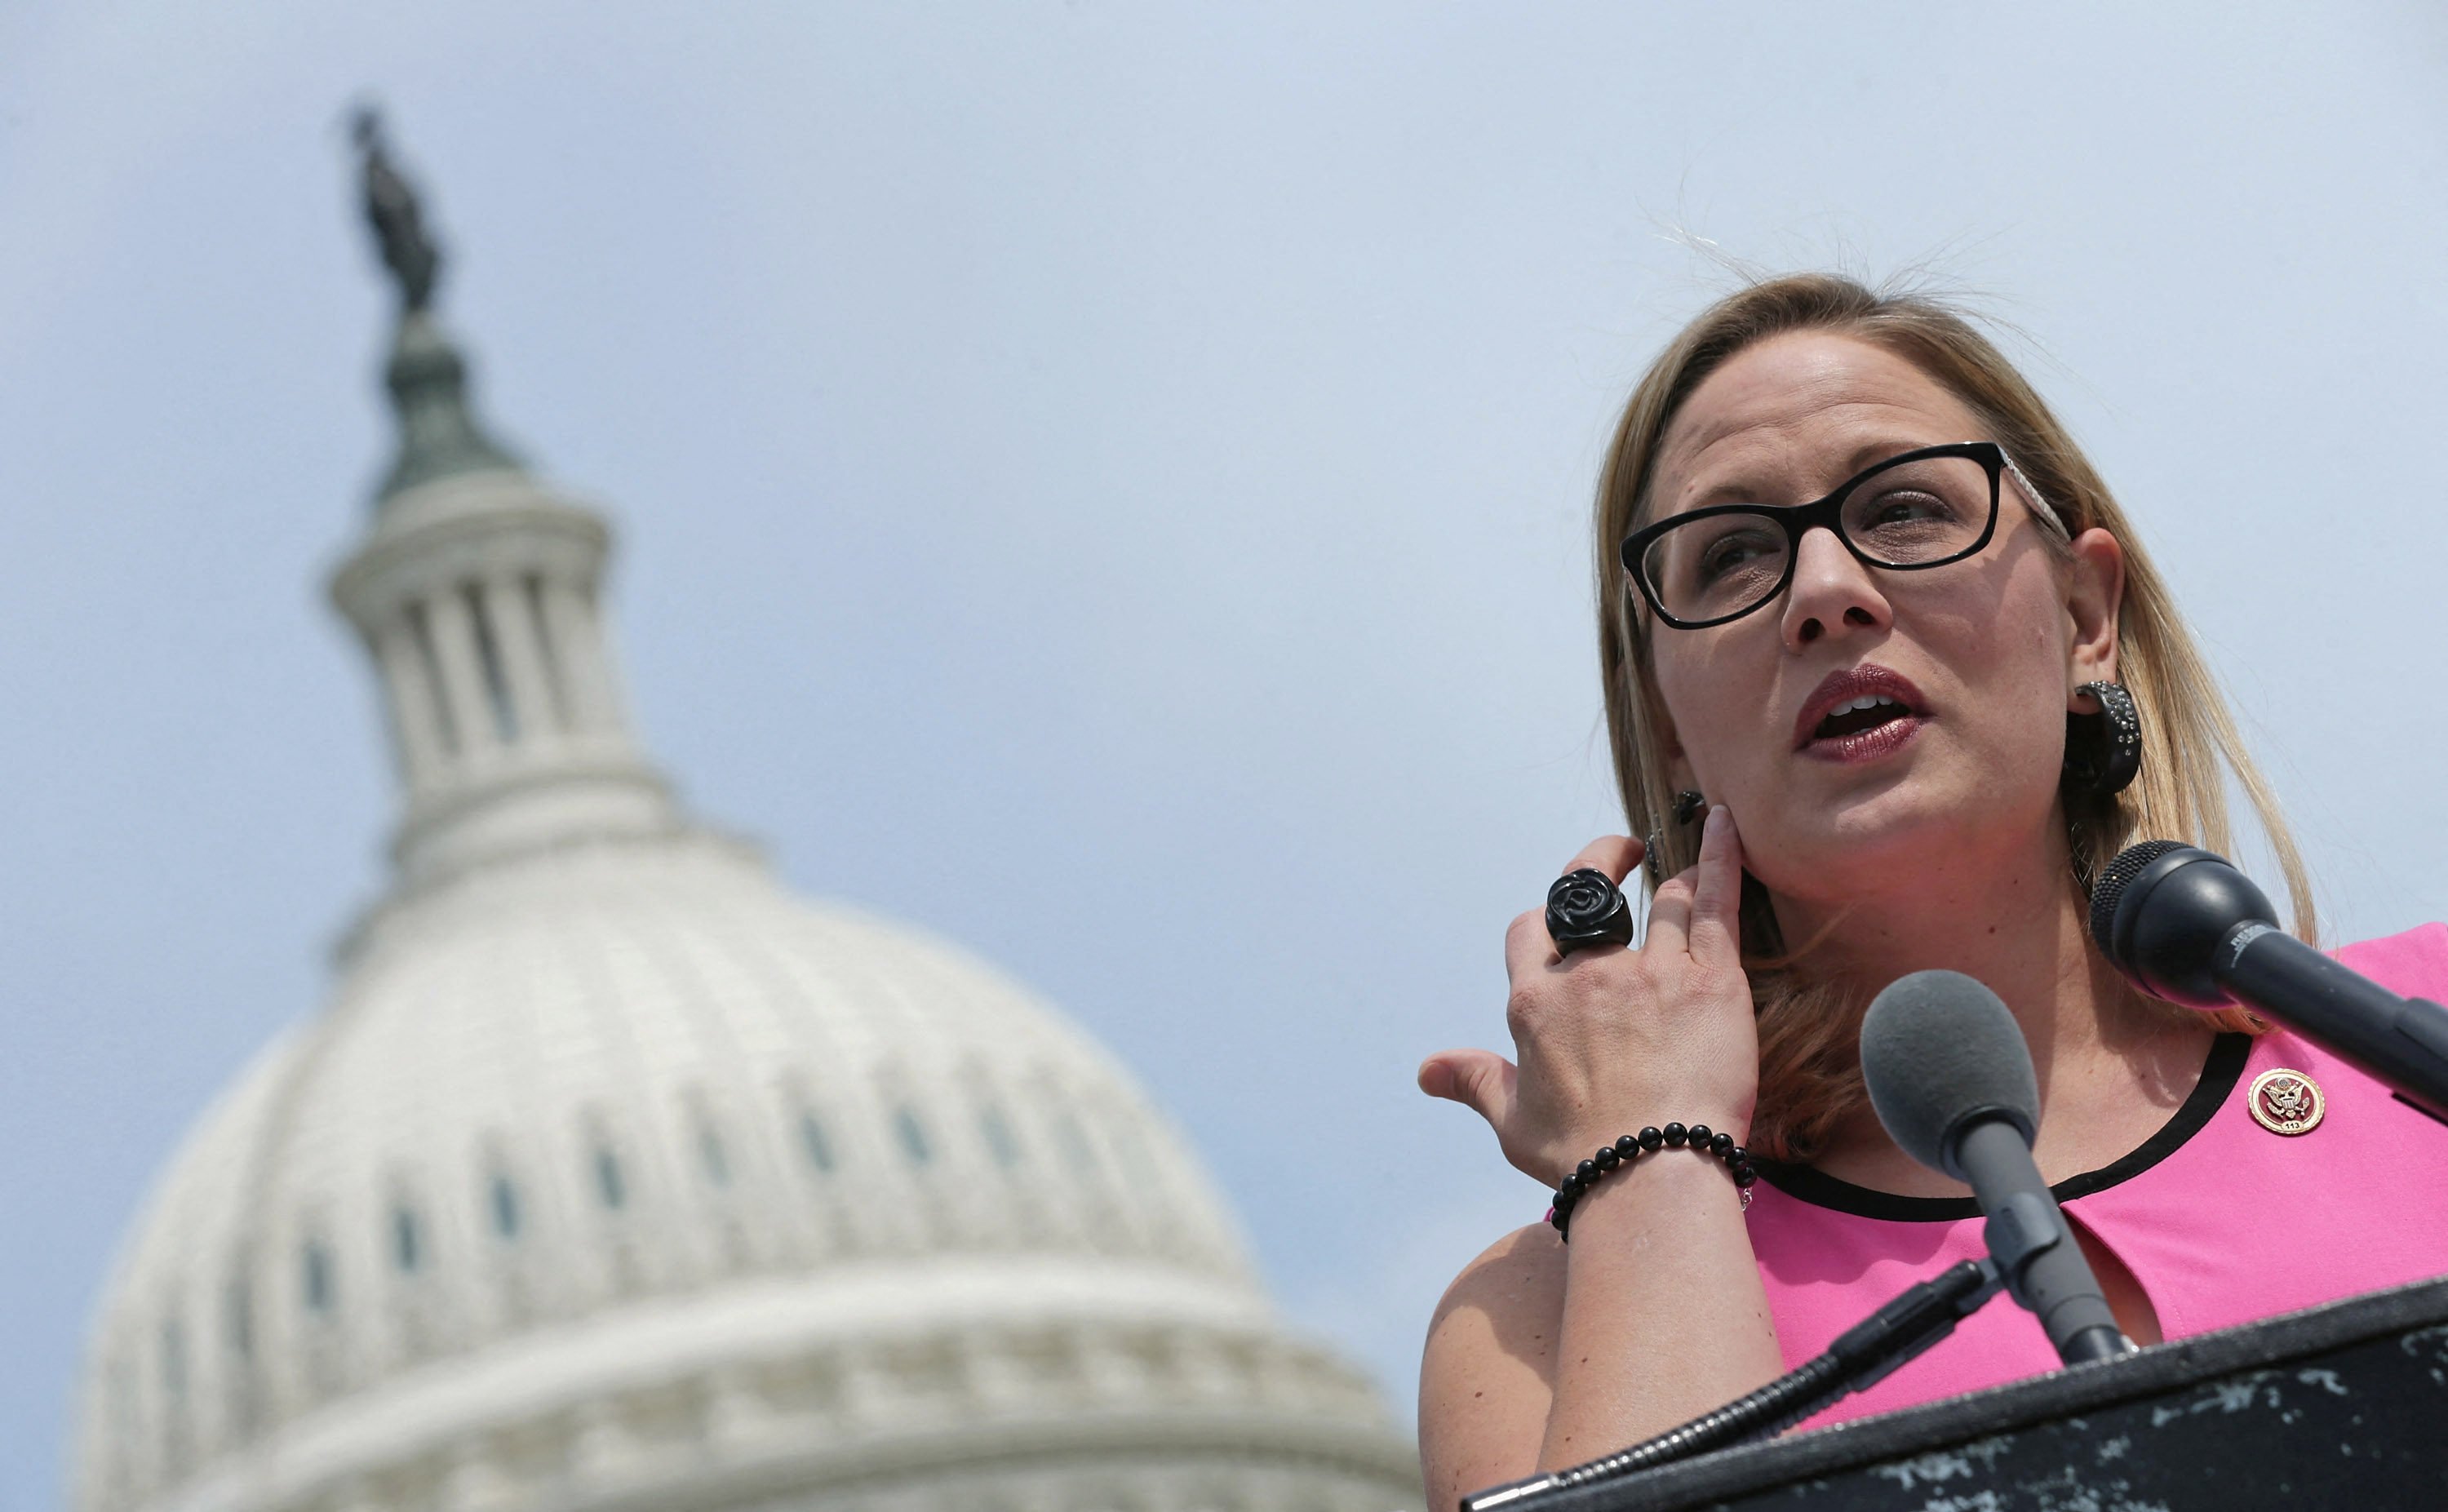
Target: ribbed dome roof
(626, 1117)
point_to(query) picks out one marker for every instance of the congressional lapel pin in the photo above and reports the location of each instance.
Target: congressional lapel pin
(2285, 1101)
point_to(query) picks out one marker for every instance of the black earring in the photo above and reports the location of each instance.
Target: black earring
(1687, 807)
(2103, 749)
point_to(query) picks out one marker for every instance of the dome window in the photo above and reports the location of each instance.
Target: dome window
(314, 1276)
(999, 1138)
(913, 1135)
(812, 1139)
(506, 1207)
(407, 1240)
(609, 1183)
(238, 1312)
(174, 1362)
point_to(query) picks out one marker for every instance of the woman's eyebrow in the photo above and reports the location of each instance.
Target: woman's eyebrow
(1864, 455)
(1870, 453)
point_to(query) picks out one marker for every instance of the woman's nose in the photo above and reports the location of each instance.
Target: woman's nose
(1832, 590)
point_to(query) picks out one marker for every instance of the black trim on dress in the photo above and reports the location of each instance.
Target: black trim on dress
(2220, 1074)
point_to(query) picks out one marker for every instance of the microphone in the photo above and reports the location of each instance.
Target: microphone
(2186, 926)
(1952, 1081)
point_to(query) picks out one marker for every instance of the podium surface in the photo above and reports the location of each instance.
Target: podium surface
(2341, 1406)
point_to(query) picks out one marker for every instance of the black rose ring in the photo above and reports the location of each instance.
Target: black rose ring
(1585, 907)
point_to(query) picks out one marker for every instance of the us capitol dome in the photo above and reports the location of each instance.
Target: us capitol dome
(613, 1177)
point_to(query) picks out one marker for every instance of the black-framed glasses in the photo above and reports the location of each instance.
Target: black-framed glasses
(1924, 508)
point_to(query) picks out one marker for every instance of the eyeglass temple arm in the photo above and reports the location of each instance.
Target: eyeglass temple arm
(2040, 504)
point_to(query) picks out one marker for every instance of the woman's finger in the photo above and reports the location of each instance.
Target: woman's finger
(1481, 1080)
(1670, 916)
(1614, 854)
(1717, 933)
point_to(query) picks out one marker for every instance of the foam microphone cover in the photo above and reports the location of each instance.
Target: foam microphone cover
(1940, 1052)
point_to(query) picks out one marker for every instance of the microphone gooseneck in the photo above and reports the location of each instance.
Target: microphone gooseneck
(1952, 1081)
(1863, 1355)
(2183, 924)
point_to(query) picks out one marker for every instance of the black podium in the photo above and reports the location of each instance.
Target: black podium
(2342, 1406)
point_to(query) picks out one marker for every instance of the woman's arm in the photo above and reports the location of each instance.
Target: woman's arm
(1487, 1379)
(1664, 1318)
(1544, 1354)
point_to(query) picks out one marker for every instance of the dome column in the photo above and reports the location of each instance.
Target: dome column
(477, 715)
(409, 694)
(514, 615)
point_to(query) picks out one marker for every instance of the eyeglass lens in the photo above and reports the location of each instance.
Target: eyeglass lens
(1914, 514)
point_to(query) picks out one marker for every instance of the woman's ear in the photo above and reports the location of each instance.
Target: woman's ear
(2095, 593)
(1679, 772)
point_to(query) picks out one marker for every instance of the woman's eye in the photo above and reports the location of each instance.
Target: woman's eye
(1906, 506)
(1730, 551)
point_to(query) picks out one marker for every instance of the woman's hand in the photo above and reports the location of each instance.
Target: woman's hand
(1610, 1039)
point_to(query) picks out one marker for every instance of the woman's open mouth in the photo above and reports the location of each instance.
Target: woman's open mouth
(1860, 715)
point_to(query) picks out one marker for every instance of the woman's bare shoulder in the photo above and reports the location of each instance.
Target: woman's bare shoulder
(1487, 1377)
(1518, 1277)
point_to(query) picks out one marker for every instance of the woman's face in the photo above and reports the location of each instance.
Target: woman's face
(1978, 658)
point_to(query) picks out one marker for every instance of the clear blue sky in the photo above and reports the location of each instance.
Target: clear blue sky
(1109, 483)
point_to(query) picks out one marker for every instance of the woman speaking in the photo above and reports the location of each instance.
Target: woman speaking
(1887, 674)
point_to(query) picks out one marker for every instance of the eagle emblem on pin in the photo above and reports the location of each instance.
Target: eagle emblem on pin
(2285, 1101)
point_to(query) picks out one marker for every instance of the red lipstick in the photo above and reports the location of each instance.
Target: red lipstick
(1860, 715)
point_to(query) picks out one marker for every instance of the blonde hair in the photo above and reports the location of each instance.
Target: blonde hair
(1809, 1078)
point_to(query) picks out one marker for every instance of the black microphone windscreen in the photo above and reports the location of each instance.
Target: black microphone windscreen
(2110, 889)
(1938, 1049)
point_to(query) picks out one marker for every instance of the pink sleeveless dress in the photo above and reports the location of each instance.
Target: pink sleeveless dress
(2221, 1218)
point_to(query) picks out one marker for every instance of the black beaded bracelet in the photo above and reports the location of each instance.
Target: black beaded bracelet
(1649, 1142)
